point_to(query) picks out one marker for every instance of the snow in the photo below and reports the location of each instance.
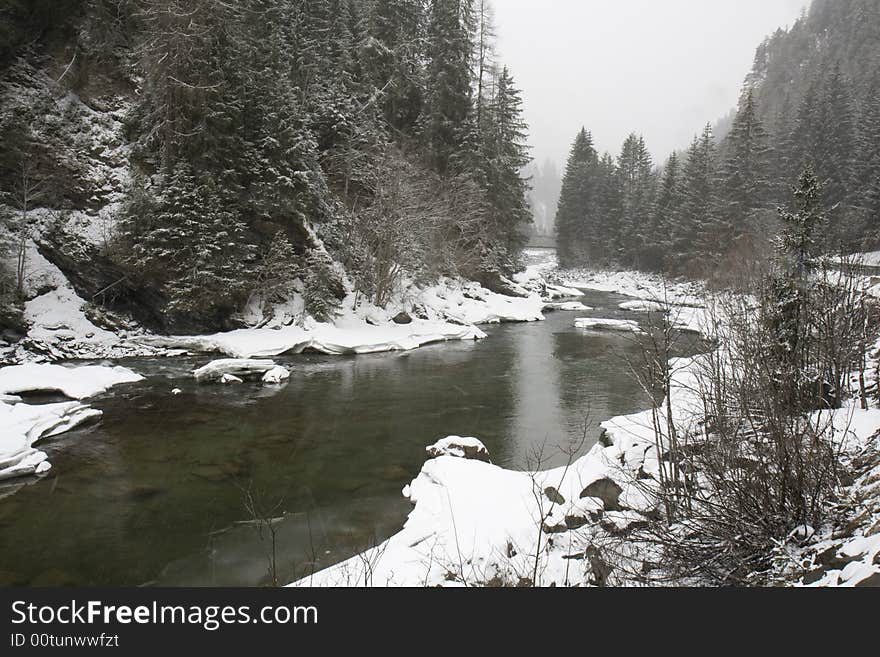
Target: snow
(600, 324)
(73, 382)
(470, 303)
(568, 306)
(475, 523)
(58, 324)
(642, 306)
(22, 425)
(467, 447)
(276, 375)
(216, 370)
(351, 337)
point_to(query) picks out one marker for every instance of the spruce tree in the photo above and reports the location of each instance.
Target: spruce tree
(694, 233)
(448, 123)
(744, 187)
(575, 201)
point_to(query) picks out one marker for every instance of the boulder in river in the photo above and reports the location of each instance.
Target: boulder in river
(465, 448)
(276, 375)
(239, 368)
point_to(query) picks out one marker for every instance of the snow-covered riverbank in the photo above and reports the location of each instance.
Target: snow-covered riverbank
(474, 523)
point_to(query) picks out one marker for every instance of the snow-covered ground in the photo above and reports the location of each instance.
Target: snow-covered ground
(448, 310)
(474, 523)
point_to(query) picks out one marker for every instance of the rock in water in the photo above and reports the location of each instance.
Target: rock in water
(230, 378)
(234, 367)
(464, 448)
(276, 375)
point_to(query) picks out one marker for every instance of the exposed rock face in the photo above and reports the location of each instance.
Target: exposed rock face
(100, 281)
(499, 284)
(402, 318)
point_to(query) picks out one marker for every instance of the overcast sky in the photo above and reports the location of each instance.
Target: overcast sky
(659, 67)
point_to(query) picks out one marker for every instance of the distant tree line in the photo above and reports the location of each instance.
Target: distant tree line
(813, 97)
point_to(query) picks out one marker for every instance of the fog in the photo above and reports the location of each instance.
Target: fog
(662, 68)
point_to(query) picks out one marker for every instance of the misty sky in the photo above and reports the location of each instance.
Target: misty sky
(659, 67)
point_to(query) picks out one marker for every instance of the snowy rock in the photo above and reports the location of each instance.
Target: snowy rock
(597, 324)
(176, 391)
(235, 368)
(606, 490)
(276, 375)
(73, 382)
(230, 378)
(568, 306)
(642, 306)
(584, 511)
(552, 291)
(465, 448)
(349, 337)
(617, 522)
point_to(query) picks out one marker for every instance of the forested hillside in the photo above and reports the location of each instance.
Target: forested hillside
(225, 149)
(813, 97)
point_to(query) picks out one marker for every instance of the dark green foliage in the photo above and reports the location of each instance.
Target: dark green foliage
(189, 245)
(573, 218)
(323, 286)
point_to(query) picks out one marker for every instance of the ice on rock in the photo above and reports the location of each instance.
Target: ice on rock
(227, 369)
(568, 306)
(276, 375)
(642, 306)
(465, 448)
(599, 324)
(230, 378)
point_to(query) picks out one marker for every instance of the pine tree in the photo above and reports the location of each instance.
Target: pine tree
(744, 187)
(448, 124)
(836, 148)
(666, 209)
(395, 60)
(636, 178)
(575, 200)
(507, 154)
(694, 235)
(604, 212)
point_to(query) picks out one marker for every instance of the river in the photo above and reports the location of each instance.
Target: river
(155, 493)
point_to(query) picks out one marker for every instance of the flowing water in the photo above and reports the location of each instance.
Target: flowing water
(156, 493)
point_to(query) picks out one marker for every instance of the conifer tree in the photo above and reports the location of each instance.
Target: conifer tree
(575, 201)
(448, 124)
(694, 231)
(744, 187)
